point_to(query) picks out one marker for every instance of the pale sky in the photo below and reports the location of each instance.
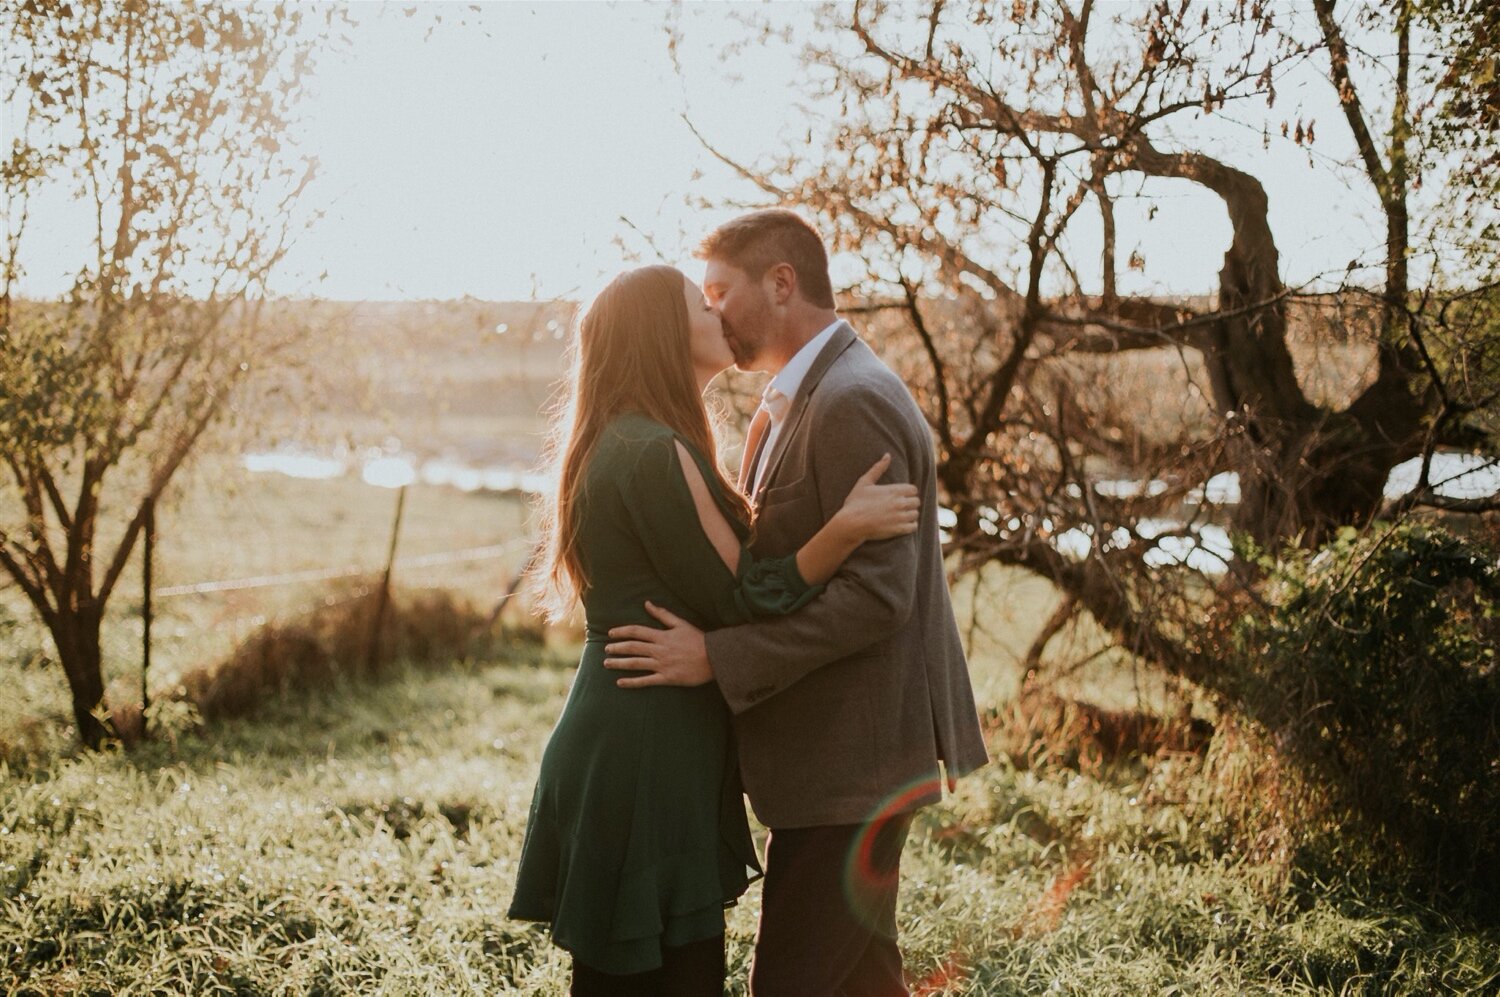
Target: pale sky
(496, 158)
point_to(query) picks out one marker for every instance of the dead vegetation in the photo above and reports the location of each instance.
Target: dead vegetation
(1042, 729)
(335, 641)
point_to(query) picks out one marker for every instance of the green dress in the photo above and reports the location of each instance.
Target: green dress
(637, 835)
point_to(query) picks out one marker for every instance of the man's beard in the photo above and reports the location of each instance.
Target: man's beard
(744, 354)
(743, 350)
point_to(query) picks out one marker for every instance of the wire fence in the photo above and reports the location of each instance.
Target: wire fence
(485, 553)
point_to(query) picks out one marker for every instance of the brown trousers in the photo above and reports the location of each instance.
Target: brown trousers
(828, 912)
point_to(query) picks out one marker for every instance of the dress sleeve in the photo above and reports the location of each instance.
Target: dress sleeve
(660, 505)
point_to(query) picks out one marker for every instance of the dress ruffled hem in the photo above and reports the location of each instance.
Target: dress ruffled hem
(677, 900)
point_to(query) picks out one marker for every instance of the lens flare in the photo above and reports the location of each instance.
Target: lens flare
(869, 875)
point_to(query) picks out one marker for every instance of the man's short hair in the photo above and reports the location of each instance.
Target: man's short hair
(760, 240)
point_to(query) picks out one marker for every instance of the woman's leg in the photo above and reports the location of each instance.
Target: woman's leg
(590, 982)
(694, 970)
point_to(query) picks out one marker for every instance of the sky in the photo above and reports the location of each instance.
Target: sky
(500, 156)
(524, 150)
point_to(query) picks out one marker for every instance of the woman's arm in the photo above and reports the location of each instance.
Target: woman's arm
(871, 512)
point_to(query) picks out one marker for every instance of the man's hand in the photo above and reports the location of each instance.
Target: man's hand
(675, 655)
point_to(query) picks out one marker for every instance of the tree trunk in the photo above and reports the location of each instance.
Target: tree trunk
(1346, 460)
(1304, 471)
(76, 634)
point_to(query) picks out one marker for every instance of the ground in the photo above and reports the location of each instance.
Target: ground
(363, 839)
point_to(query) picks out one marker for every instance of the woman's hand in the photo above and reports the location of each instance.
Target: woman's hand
(871, 512)
(878, 512)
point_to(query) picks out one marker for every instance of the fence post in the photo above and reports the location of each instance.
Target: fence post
(150, 542)
(384, 595)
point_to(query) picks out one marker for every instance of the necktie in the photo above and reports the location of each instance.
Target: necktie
(753, 439)
(775, 405)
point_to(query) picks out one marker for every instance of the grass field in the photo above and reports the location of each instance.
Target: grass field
(223, 523)
(363, 839)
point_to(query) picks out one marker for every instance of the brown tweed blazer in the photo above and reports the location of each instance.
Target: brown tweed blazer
(844, 708)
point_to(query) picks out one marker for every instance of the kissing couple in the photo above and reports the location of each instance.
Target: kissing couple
(787, 637)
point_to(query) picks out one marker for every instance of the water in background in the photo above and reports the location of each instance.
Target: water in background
(386, 470)
(1203, 547)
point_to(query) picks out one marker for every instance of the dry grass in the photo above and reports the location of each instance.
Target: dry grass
(334, 640)
(1040, 728)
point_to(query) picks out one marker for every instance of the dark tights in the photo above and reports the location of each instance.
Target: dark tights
(692, 970)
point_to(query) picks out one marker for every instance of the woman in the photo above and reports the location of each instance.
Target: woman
(637, 837)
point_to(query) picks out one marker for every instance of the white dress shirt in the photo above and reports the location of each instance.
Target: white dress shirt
(778, 395)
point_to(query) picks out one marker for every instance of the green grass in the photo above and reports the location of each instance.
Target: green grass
(306, 851)
(364, 841)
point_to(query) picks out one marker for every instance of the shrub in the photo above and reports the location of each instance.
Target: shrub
(1373, 666)
(432, 627)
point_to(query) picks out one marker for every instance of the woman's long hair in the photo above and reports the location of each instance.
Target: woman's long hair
(632, 354)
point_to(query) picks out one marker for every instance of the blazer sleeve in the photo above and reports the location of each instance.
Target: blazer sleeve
(873, 594)
(661, 509)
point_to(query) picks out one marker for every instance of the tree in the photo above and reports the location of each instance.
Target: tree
(970, 144)
(167, 121)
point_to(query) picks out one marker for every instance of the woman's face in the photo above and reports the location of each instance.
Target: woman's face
(710, 350)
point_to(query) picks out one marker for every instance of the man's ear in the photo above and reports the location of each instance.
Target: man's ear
(783, 283)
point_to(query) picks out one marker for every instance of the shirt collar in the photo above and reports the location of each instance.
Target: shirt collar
(789, 379)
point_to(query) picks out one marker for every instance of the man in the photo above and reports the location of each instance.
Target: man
(844, 710)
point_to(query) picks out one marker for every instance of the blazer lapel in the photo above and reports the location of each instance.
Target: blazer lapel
(843, 337)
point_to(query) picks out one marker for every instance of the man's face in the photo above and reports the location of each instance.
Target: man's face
(744, 307)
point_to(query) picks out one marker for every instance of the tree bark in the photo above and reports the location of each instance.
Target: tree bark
(76, 634)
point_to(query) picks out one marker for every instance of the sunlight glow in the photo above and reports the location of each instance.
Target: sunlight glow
(507, 151)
